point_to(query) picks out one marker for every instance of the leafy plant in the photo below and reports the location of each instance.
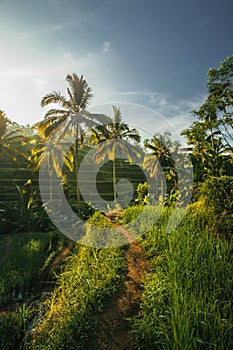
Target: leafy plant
(25, 215)
(214, 205)
(142, 191)
(83, 209)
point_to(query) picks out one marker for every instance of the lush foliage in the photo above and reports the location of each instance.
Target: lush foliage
(88, 278)
(11, 332)
(160, 161)
(70, 116)
(142, 192)
(23, 258)
(110, 139)
(214, 205)
(27, 214)
(211, 133)
(187, 299)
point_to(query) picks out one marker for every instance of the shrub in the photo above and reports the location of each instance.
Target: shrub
(214, 207)
(83, 209)
(142, 191)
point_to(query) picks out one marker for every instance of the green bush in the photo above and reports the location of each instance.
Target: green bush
(131, 212)
(18, 217)
(214, 207)
(102, 234)
(83, 209)
(142, 191)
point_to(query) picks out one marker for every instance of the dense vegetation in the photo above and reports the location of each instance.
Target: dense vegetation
(187, 296)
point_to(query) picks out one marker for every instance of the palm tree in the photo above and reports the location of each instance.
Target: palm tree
(161, 148)
(8, 139)
(112, 142)
(72, 115)
(50, 155)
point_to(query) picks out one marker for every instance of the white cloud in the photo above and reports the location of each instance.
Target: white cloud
(23, 82)
(106, 47)
(203, 22)
(167, 113)
(157, 99)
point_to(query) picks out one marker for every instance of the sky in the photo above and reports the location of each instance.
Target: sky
(150, 57)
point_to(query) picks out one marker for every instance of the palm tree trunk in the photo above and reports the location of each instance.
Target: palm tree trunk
(114, 180)
(212, 138)
(76, 164)
(50, 187)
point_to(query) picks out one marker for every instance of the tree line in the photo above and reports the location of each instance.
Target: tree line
(209, 136)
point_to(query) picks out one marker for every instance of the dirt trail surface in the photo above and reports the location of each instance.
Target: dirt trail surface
(57, 260)
(113, 325)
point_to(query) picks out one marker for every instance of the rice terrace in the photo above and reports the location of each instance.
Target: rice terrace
(116, 175)
(120, 284)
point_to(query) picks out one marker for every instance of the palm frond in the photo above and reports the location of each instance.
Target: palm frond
(102, 152)
(86, 98)
(80, 91)
(100, 118)
(117, 118)
(55, 97)
(56, 113)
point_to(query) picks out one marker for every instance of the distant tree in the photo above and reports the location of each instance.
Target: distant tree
(161, 147)
(72, 115)
(211, 134)
(9, 138)
(112, 139)
(49, 154)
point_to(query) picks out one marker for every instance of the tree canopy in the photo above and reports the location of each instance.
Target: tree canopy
(211, 134)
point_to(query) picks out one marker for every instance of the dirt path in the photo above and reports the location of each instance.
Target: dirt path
(59, 257)
(113, 326)
(63, 253)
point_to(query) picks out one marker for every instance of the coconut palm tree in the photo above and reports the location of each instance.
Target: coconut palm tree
(72, 116)
(161, 148)
(8, 139)
(50, 155)
(112, 140)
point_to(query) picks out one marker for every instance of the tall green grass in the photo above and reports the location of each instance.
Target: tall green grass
(88, 278)
(187, 300)
(23, 256)
(10, 332)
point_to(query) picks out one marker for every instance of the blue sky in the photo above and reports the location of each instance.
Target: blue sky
(153, 53)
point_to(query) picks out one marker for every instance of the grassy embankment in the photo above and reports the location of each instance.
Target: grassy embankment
(187, 299)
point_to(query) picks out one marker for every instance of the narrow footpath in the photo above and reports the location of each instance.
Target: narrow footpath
(113, 324)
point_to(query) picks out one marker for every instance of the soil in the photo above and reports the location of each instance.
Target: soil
(113, 324)
(56, 262)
